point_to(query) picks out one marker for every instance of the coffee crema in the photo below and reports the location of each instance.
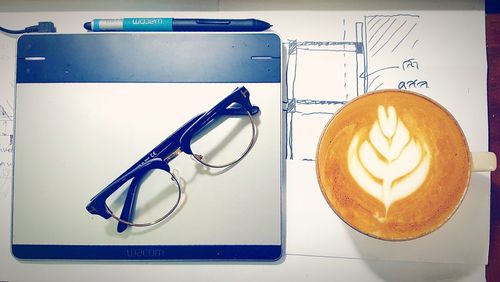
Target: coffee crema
(393, 164)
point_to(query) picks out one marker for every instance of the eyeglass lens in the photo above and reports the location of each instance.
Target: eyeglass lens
(157, 198)
(226, 141)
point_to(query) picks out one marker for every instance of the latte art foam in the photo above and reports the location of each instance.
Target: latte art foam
(391, 164)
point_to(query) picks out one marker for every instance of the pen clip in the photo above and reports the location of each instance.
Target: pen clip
(212, 21)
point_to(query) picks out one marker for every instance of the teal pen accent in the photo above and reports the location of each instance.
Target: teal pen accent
(95, 25)
(147, 24)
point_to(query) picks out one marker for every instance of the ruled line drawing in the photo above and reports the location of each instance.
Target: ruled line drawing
(373, 52)
(7, 58)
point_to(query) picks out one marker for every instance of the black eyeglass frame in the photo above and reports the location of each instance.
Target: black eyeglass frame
(235, 104)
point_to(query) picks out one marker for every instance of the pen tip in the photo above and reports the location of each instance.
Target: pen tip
(262, 25)
(87, 26)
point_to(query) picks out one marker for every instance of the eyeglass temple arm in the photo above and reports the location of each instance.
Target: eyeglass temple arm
(97, 204)
(130, 201)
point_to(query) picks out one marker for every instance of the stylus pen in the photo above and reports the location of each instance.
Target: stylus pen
(171, 24)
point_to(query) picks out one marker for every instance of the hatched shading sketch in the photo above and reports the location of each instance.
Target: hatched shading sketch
(390, 60)
(6, 142)
(6, 121)
(373, 53)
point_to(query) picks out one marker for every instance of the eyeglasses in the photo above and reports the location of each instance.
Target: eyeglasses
(184, 139)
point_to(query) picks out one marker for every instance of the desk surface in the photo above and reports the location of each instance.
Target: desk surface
(493, 47)
(316, 267)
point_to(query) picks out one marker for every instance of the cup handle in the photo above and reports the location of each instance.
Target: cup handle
(484, 161)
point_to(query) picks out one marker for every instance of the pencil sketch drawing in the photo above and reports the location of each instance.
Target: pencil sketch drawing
(374, 52)
(6, 143)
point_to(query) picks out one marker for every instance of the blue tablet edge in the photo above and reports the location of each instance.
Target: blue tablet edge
(147, 58)
(148, 252)
(253, 58)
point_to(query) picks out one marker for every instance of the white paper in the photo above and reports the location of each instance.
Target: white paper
(417, 51)
(452, 57)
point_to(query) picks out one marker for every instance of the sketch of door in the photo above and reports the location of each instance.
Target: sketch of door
(321, 77)
(324, 75)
